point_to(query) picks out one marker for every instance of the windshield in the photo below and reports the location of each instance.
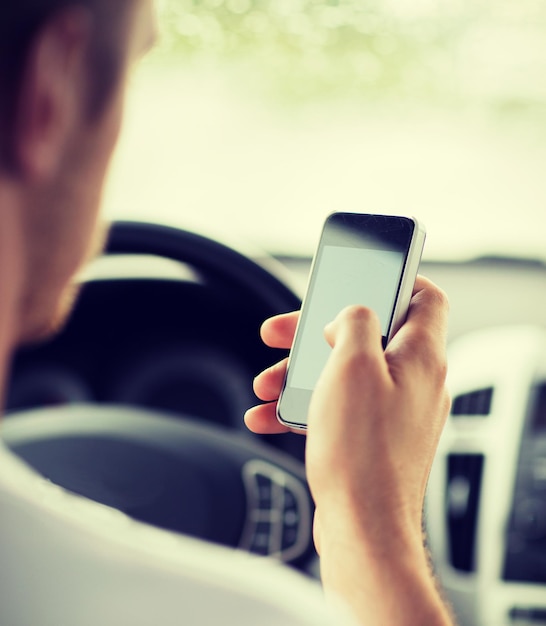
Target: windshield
(254, 119)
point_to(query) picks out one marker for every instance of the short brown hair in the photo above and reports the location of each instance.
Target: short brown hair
(21, 20)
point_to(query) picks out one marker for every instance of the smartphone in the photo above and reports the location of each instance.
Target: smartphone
(361, 258)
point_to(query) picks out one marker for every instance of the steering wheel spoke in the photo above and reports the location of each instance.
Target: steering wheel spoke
(184, 476)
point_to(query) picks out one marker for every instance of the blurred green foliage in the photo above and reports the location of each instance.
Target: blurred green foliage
(423, 49)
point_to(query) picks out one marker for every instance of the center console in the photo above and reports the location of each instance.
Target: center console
(486, 502)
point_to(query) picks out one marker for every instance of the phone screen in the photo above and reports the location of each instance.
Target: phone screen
(344, 276)
(360, 260)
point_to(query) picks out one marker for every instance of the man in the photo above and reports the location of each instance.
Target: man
(374, 421)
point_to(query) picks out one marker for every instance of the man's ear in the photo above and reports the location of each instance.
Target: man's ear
(53, 93)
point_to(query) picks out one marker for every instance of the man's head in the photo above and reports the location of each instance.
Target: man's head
(63, 65)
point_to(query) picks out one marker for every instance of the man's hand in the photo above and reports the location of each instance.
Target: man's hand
(376, 416)
(373, 426)
(277, 332)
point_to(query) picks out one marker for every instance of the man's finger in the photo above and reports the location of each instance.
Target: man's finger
(428, 310)
(355, 328)
(420, 283)
(422, 339)
(263, 420)
(278, 331)
(268, 384)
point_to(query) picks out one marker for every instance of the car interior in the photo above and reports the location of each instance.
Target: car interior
(138, 402)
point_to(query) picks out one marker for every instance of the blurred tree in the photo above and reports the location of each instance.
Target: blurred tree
(422, 49)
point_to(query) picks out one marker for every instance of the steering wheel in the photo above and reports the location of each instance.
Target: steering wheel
(217, 484)
(216, 263)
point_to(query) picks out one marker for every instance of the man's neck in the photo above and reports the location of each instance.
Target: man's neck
(11, 276)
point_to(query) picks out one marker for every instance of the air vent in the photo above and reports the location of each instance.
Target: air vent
(473, 403)
(525, 615)
(464, 475)
(538, 415)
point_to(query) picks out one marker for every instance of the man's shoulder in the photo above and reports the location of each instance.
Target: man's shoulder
(74, 561)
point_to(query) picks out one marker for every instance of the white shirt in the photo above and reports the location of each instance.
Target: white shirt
(65, 560)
